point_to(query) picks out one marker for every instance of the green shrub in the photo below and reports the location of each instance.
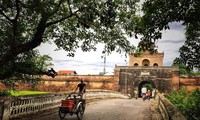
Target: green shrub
(187, 103)
(4, 93)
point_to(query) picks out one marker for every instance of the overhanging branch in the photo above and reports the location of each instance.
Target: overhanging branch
(36, 41)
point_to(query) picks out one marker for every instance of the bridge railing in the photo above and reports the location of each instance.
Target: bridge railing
(167, 109)
(15, 106)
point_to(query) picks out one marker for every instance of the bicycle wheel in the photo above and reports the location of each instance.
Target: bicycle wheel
(80, 112)
(62, 113)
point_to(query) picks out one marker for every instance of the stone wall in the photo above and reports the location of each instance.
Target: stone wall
(190, 83)
(164, 78)
(67, 83)
(133, 77)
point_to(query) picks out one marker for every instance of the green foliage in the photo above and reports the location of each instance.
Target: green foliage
(20, 93)
(25, 68)
(185, 70)
(69, 24)
(195, 73)
(149, 87)
(182, 67)
(187, 103)
(157, 16)
(23, 93)
(5, 93)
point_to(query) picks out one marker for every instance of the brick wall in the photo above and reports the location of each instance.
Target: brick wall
(190, 83)
(67, 83)
(152, 58)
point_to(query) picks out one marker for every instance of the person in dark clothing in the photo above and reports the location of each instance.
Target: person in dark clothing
(81, 87)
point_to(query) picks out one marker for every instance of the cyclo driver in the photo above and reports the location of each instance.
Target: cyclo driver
(82, 88)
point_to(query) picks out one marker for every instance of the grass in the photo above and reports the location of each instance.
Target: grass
(23, 93)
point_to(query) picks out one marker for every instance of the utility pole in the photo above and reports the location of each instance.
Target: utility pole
(104, 69)
(104, 57)
(126, 78)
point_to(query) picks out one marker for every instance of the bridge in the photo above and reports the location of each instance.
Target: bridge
(12, 107)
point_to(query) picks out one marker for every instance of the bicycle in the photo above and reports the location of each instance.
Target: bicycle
(73, 104)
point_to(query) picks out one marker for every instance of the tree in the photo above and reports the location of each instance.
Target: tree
(182, 67)
(190, 51)
(159, 13)
(25, 68)
(70, 24)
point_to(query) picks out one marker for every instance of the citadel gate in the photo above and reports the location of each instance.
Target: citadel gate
(146, 69)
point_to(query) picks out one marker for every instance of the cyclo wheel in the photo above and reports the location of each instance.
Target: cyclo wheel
(80, 112)
(62, 114)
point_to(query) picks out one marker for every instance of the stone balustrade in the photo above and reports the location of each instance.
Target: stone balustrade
(14, 106)
(167, 109)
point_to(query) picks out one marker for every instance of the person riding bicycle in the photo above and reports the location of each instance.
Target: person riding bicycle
(82, 88)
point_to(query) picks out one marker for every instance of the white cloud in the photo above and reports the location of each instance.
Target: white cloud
(170, 43)
(93, 63)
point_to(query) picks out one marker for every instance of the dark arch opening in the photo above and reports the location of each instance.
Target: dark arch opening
(155, 64)
(141, 84)
(145, 62)
(135, 64)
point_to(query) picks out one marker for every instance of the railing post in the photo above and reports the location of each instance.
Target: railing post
(1, 110)
(6, 109)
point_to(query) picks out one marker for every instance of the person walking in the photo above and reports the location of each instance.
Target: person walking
(136, 94)
(148, 94)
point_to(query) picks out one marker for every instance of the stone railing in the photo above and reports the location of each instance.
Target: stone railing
(167, 109)
(15, 106)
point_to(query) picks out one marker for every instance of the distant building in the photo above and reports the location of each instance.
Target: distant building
(67, 72)
(146, 59)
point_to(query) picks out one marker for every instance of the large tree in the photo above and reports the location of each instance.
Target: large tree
(25, 24)
(70, 24)
(159, 13)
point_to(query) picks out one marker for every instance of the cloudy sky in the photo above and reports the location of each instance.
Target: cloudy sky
(93, 63)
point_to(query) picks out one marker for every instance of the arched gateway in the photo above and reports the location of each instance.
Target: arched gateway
(143, 83)
(133, 77)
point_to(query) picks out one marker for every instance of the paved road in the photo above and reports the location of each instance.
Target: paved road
(111, 109)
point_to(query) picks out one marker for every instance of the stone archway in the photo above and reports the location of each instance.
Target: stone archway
(143, 83)
(145, 62)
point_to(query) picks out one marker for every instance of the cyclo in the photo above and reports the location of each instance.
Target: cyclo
(73, 104)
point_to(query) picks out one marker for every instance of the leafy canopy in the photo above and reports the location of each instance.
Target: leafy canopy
(70, 24)
(157, 16)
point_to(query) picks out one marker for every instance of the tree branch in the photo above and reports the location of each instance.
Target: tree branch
(64, 18)
(18, 10)
(69, 7)
(36, 41)
(1, 11)
(60, 20)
